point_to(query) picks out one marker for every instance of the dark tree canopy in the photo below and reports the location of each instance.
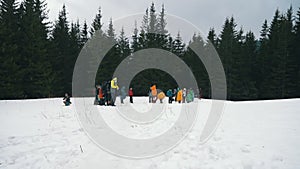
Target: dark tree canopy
(37, 57)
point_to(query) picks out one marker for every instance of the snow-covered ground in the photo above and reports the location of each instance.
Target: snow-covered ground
(251, 135)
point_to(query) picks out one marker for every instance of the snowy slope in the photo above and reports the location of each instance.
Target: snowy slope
(252, 135)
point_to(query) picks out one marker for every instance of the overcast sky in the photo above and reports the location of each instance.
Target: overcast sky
(202, 13)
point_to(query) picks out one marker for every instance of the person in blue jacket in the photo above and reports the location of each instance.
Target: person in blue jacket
(170, 95)
(123, 94)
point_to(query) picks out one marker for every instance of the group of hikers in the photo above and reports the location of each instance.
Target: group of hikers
(107, 92)
(178, 95)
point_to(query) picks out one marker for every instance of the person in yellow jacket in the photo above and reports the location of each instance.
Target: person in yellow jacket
(113, 90)
(179, 96)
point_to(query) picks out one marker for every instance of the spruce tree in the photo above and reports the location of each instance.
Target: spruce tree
(262, 69)
(75, 36)
(142, 40)
(271, 79)
(151, 35)
(296, 53)
(196, 65)
(288, 86)
(162, 23)
(278, 57)
(152, 19)
(212, 37)
(97, 23)
(248, 67)
(135, 43)
(226, 52)
(61, 57)
(10, 74)
(38, 77)
(111, 31)
(178, 46)
(84, 34)
(162, 32)
(123, 47)
(75, 47)
(111, 58)
(145, 22)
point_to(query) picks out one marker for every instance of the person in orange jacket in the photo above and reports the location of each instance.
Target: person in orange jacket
(161, 95)
(179, 95)
(153, 93)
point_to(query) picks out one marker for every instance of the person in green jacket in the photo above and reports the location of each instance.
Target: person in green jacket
(190, 96)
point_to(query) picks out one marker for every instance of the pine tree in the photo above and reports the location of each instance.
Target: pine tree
(196, 65)
(178, 46)
(151, 35)
(97, 23)
(161, 24)
(238, 87)
(75, 39)
(61, 57)
(10, 74)
(145, 22)
(142, 39)
(135, 42)
(226, 51)
(74, 49)
(169, 43)
(262, 69)
(84, 34)
(123, 47)
(162, 33)
(212, 37)
(276, 57)
(111, 31)
(265, 31)
(38, 77)
(273, 55)
(152, 19)
(248, 67)
(288, 87)
(75, 36)
(111, 59)
(296, 53)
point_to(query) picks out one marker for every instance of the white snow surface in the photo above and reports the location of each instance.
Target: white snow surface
(44, 134)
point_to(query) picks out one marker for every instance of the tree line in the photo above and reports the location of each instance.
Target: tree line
(37, 57)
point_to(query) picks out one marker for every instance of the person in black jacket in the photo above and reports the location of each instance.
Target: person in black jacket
(96, 102)
(67, 100)
(106, 91)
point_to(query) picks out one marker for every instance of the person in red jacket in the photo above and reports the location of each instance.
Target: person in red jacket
(130, 93)
(101, 96)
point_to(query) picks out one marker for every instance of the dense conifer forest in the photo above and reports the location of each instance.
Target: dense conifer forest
(37, 57)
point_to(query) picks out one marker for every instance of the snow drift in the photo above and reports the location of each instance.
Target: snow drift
(252, 135)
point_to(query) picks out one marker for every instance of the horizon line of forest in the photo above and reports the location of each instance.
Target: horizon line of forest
(37, 57)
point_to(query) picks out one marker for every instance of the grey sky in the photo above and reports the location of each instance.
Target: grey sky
(202, 13)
